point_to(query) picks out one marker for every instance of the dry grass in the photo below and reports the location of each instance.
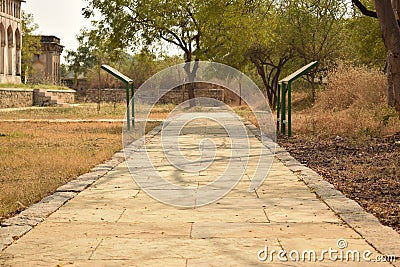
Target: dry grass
(245, 112)
(161, 111)
(36, 158)
(352, 104)
(83, 111)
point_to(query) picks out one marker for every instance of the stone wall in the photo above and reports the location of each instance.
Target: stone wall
(65, 96)
(176, 95)
(179, 95)
(18, 98)
(104, 95)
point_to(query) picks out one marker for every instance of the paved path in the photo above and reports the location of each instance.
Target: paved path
(115, 223)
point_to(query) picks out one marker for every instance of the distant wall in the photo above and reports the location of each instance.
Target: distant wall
(65, 96)
(104, 95)
(179, 95)
(176, 95)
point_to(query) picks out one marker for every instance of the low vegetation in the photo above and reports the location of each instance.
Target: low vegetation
(89, 111)
(37, 158)
(353, 104)
(33, 86)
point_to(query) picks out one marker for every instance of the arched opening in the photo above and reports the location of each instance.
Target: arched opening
(10, 46)
(18, 53)
(2, 47)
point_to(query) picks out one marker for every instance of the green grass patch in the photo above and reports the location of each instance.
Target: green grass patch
(34, 86)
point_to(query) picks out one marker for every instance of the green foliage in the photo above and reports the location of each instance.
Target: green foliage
(250, 36)
(94, 50)
(30, 44)
(265, 39)
(231, 28)
(317, 30)
(365, 41)
(63, 70)
(146, 22)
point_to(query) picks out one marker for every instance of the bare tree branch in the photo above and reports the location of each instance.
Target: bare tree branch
(364, 10)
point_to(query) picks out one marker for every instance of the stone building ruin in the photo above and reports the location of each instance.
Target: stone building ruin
(10, 41)
(46, 65)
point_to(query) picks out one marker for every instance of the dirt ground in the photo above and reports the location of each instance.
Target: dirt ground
(367, 171)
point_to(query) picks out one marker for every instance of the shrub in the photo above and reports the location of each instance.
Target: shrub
(352, 87)
(352, 103)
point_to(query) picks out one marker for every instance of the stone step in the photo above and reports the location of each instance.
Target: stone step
(48, 99)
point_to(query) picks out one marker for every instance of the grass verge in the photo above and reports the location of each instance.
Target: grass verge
(37, 158)
(34, 86)
(83, 111)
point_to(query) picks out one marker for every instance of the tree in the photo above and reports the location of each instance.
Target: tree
(270, 53)
(249, 35)
(386, 11)
(316, 33)
(365, 45)
(83, 58)
(269, 66)
(30, 45)
(270, 34)
(146, 22)
(142, 66)
(94, 49)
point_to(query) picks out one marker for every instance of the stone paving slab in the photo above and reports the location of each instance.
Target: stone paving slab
(105, 219)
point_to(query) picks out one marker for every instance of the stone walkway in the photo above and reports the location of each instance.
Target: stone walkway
(113, 222)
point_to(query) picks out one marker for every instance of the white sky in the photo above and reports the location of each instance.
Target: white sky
(61, 18)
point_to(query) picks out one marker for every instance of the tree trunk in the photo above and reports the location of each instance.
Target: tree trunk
(191, 77)
(311, 77)
(396, 7)
(391, 37)
(261, 72)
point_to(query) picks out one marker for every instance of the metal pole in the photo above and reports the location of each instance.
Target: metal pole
(283, 109)
(289, 88)
(128, 117)
(133, 104)
(240, 89)
(278, 107)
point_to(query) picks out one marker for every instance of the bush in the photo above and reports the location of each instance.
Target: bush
(352, 87)
(353, 103)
